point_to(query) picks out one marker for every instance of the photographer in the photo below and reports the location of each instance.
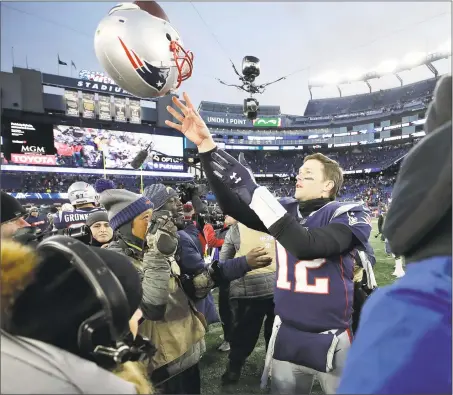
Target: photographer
(171, 321)
(191, 227)
(190, 194)
(197, 279)
(101, 231)
(62, 331)
(11, 216)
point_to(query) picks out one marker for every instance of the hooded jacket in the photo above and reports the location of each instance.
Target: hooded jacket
(414, 315)
(33, 367)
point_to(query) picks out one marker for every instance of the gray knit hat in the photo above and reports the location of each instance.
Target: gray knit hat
(159, 194)
(97, 216)
(122, 205)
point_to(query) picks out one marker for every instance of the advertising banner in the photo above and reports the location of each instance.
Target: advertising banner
(120, 109)
(72, 103)
(135, 111)
(88, 105)
(274, 122)
(34, 195)
(104, 108)
(31, 159)
(220, 119)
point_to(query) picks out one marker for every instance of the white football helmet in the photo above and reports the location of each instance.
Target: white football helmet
(81, 192)
(140, 51)
(67, 207)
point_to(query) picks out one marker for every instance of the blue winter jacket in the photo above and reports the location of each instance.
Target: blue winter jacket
(403, 344)
(191, 261)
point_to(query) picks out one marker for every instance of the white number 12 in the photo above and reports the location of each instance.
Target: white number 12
(301, 268)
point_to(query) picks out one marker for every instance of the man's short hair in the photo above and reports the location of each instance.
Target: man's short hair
(332, 171)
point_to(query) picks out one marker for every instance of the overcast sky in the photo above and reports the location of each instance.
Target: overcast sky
(287, 37)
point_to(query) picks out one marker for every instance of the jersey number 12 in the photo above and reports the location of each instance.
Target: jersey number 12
(301, 268)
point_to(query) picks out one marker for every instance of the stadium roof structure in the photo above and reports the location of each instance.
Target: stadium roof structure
(409, 62)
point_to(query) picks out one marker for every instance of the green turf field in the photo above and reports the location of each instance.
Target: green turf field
(214, 362)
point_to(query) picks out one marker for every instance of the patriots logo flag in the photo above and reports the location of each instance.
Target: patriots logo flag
(155, 77)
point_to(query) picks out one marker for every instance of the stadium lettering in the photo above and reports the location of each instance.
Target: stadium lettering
(75, 217)
(30, 159)
(216, 119)
(21, 195)
(100, 87)
(168, 166)
(33, 148)
(96, 76)
(230, 121)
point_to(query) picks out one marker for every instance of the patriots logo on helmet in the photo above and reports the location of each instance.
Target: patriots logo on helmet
(155, 77)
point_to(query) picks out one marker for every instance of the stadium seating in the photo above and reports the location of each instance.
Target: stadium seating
(390, 98)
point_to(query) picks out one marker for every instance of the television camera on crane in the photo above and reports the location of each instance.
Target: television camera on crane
(251, 69)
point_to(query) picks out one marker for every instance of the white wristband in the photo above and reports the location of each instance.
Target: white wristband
(266, 206)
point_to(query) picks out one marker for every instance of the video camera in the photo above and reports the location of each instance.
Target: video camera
(250, 68)
(187, 191)
(215, 218)
(251, 107)
(31, 235)
(81, 233)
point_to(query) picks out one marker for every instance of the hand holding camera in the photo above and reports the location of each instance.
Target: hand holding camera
(162, 234)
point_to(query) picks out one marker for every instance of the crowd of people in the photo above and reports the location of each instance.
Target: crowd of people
(289, 162)
(111, 292)
(372, 188)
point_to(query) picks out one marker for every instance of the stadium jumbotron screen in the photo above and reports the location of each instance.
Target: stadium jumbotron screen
(71, 146)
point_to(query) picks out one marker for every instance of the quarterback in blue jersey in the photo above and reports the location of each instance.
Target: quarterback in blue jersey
(84, 199)
(317, 240)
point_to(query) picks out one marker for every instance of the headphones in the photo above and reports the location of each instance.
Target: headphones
(113, 319)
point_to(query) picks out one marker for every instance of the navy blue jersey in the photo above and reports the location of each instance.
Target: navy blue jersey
(75, 218)
(317, 295)
(41, 221)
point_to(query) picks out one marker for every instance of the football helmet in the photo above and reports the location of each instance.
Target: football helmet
(81, 192)
(141, 51)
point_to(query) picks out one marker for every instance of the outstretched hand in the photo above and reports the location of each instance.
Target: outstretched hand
(234, 174)
(191, 124)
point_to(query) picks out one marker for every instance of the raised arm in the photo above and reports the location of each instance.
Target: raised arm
(194, 128)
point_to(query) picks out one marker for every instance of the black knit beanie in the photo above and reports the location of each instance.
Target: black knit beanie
(10, 208)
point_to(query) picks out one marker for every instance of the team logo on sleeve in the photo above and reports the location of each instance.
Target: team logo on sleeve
(353, 220)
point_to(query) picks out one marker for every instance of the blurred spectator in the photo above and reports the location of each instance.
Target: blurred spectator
(12, 216)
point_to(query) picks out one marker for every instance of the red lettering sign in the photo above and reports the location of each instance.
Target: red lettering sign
(46, 160)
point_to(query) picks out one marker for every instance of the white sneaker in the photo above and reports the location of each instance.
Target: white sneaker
(225, 346)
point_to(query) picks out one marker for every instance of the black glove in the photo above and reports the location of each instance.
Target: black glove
(236, 175)
(162, 233)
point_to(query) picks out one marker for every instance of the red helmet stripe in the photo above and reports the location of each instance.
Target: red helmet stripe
(128, 54)
(140, 63)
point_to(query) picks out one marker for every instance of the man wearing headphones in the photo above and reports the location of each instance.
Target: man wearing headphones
(67, 315)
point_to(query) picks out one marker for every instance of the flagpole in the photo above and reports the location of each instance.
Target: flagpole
(12, 55)
(26, 60)
(103, 161)
(141, 178)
